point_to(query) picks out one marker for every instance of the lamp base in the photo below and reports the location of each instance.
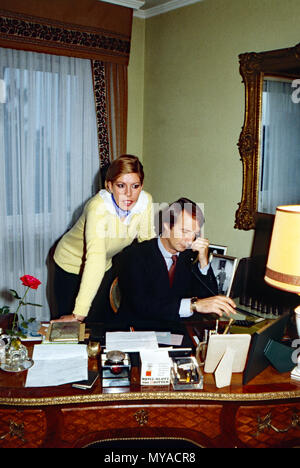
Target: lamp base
(297, 317)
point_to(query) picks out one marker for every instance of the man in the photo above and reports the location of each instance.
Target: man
(149, 289)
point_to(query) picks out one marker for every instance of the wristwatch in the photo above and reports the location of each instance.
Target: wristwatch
(193, 304)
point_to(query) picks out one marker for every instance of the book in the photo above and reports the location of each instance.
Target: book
(87, 384)
(65, 332)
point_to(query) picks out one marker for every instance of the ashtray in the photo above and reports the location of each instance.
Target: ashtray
(17, 366)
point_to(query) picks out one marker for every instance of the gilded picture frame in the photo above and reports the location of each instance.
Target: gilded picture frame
(253, 67)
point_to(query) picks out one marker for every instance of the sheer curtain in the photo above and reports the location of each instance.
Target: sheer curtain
(49, 162)
(280, 150)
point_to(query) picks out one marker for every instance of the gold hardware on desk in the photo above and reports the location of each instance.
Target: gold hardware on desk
(15, 430)
(141, 417)
(266, 423)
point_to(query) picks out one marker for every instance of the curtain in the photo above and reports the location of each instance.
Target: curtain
(116, 102)
(280, 148)
(111, 96)
(49, 163)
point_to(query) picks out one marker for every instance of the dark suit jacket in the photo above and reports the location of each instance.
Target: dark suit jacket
(144, 283)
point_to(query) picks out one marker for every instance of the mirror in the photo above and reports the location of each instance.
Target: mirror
(269, 142)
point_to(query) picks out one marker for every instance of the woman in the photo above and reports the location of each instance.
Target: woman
(110, 221)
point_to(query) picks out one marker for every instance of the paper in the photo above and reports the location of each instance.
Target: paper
(168, 338)
(155, 367)
(163, 338)
(57, 364)
(130, 341)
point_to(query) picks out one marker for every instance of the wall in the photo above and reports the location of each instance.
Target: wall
(136, 75)
(194, 102)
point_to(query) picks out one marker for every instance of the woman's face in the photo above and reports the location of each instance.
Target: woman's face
(126, 190)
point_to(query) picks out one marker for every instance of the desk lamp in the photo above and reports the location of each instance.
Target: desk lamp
(283, 265)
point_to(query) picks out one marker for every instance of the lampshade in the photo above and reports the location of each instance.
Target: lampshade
(283, 265)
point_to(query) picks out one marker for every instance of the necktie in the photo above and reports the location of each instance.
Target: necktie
(172, 269)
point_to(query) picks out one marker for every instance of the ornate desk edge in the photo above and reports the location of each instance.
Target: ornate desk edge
(161, 396)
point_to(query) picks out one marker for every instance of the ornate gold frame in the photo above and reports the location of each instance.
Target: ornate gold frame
(253, 66)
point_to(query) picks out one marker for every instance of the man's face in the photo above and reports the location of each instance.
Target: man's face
(182, 234)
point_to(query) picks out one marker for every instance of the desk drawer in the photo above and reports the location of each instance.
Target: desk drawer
(139, 418)
(20, 429)
(269, 425)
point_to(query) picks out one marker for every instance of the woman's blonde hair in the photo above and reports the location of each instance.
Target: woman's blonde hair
(125, 164)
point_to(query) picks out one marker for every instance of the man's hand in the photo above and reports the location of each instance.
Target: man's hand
(201, 245)
(216, 304)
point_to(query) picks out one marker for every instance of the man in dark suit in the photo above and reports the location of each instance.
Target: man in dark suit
(169, 277)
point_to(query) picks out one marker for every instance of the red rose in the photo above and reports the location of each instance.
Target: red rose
(30, 281)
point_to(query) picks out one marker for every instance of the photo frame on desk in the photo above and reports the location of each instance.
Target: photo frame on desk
(226, 354)
(217, 346)
(217, 249)
(257, 360)
(224, 269)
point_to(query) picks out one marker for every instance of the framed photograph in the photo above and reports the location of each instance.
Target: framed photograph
(217, 249)
(224, 269)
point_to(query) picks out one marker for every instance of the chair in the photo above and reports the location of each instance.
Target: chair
(115, 296)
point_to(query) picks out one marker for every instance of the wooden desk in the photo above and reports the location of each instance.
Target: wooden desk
(264, 413)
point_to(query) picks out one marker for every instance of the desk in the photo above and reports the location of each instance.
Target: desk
(264, 413)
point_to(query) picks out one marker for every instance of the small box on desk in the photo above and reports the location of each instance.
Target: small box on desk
(186, 374)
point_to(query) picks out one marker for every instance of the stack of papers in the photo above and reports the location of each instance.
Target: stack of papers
(140, 340)
(57, 364)
(130, 341)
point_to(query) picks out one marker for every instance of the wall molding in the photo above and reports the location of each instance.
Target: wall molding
(134, 4)
(160, 9)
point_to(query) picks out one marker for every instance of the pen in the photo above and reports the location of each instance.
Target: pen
(228, 326)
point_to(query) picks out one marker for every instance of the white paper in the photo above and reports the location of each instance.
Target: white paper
(168, 338)
(155, 367)
(176, 340)
(163, 337)
(130, 341)
(155, 356)
(57, 364)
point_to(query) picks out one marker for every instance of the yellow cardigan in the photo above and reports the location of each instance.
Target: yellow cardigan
(98, 235)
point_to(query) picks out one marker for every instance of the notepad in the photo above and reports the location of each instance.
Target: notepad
(57, 364)
(131, 341)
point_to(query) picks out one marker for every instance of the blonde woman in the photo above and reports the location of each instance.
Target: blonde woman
(110, 221)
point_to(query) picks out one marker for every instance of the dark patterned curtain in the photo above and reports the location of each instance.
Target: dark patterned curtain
(101, 112)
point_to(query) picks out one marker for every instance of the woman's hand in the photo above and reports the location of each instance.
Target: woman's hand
(69, 318)
(216, 304)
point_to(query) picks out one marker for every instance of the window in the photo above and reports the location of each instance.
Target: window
(49, 160)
